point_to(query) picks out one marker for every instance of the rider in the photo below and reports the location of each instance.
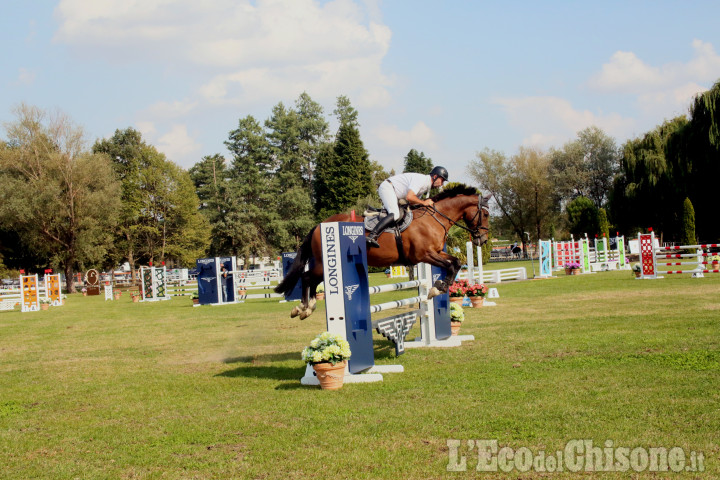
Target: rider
(408, 186)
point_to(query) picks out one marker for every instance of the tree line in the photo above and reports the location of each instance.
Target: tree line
(72, 207)
(590, 185)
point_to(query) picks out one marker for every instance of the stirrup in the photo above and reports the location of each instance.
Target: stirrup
(372, 242)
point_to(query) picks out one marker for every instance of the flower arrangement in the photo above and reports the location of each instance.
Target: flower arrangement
(456, 313)
(477, 290)
(458, 289)
(637, 268)
(326, 347)
(45, 301)
(715, 259)
(320, 288)
(572, 265)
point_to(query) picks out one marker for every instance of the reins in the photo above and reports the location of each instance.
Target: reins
(474, 233)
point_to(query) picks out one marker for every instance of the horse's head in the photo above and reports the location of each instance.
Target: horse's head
(478, 220)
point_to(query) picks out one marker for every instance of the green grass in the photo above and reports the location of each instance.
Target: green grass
(100, 389)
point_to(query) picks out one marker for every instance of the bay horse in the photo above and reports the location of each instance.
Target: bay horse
(423, 241)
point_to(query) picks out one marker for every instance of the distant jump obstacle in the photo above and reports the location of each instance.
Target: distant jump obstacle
(653, 257)
(593, 256)
(348, 309)
(31, 292)
(215, 289)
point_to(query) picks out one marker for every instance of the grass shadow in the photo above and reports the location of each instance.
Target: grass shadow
(264, 371)
(264, 357)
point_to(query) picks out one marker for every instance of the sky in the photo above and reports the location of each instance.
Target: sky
(447, 78)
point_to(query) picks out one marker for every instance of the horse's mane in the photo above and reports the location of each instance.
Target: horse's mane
(454, 191)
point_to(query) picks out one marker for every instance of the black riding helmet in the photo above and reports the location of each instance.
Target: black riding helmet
(440, 172)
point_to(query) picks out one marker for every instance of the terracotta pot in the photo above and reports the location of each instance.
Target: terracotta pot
(196, 301)
(117, 296)
(637, 274)
(135, 298)
(477, 301)
(330, 376)
(320, 296)
(458, 300)
(455, 327)
(44, 306)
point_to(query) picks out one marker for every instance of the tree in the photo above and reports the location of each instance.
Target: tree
(417, 162)
(688, 217)
(582, 217)
(521, 188)
(603, 224)
(62, 200)
(344, 172)
(159, 218)
(586, 166)
(295, 138)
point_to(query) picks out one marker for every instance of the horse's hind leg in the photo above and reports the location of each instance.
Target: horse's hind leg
(310, 281)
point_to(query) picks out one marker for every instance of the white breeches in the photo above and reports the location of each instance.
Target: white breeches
(389, 199)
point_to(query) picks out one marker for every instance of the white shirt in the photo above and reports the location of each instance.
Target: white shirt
(404, 182)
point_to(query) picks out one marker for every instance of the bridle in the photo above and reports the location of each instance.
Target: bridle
(476, 232)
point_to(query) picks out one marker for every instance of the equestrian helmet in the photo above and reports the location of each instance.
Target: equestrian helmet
(440, 172)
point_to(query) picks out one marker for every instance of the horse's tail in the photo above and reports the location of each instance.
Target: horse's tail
(304, 254)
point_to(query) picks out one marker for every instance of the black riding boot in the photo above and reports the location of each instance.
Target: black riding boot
(382, 224)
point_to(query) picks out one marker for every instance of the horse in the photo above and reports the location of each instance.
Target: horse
(422, 241)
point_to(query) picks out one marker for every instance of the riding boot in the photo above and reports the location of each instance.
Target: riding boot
(382, 224)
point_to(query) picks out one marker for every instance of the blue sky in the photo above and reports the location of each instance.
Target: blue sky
(447, 78)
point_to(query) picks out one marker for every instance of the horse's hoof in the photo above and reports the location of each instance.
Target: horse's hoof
(295, 312)
(305, 314)
(433, 292)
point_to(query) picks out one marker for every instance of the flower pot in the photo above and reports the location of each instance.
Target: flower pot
(320, 296)
(330, 376)
(637, 274)
(477, 301)
(458, 300)
(135, 298)
(455, 327)
(572, 271)
(84, 294)
(196, 301)
(44, 306)
(117, 296)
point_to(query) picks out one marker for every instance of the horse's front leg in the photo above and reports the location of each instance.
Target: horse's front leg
(451, 266)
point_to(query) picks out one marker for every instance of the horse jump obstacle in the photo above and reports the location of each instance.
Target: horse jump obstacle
(591, 259)
(153, 284)
(29, 293)
(211, 284)
(348, 309)
(649, 256)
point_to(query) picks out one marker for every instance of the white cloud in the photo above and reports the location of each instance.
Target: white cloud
(626, 73)
(179, 146)
(247, 51)
(420, 137)
(551, 121)
(662, 91)
(25, 77)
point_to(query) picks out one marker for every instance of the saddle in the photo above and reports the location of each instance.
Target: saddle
(373, 215)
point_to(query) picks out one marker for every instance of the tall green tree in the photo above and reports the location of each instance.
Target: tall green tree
(417, 162)
(521, 187)
(586, 166)
(688, 231)
(582, 217)
(61, 199)
(251, 223)
(160, 218)
(344, 172)
(296, 137)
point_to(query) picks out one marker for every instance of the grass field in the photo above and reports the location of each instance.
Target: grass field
(105, 390)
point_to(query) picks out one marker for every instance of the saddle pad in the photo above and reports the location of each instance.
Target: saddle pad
(371, 221)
